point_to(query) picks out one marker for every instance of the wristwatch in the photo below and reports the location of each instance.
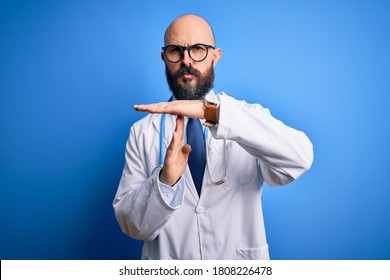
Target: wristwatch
(211, 109)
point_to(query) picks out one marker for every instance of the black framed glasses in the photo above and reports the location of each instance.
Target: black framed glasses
(197, 52)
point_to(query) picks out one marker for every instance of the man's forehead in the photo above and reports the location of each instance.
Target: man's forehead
(189, 30)
(188, 37)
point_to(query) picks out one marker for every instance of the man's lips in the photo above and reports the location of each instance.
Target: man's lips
(187, 76)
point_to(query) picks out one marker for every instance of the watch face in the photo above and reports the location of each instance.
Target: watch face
(212, 98)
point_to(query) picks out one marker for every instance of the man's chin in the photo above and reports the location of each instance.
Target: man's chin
(187, 82)
(186, 79)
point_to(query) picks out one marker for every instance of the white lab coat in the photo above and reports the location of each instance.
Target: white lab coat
(226, 222)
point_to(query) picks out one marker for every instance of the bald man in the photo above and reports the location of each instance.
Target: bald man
(203, 201)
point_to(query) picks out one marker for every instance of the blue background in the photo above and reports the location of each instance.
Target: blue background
(70, 72)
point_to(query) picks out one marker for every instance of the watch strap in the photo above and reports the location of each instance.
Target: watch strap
(211, 114)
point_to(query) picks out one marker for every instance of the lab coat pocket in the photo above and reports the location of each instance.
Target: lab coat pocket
(253, 253)
(216, 161)
(246, 175)
(244, 165)
(217, 146)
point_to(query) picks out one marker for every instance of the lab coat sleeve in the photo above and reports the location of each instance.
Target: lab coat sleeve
(139, 205)
(283, 153)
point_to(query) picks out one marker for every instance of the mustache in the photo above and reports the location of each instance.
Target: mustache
(186, 70)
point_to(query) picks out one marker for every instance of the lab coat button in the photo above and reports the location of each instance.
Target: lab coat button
(200, 210)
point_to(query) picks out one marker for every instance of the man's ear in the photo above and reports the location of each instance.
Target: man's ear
(216, 56)
(163, 56)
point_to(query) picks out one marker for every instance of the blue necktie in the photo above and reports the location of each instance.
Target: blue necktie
(197, 157)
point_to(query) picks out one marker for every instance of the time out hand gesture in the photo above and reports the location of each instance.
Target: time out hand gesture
(176, 156)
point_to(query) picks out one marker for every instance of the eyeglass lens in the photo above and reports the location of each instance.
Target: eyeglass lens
(197, 53)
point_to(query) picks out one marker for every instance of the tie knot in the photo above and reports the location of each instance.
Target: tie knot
(194, 123)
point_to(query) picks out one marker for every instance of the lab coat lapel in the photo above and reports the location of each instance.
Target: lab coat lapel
(169, 128)
(190, 183)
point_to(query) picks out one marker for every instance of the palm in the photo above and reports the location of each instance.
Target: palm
(176, 157)
(187, 108)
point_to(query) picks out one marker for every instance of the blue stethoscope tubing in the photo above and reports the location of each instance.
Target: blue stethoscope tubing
(162, 133)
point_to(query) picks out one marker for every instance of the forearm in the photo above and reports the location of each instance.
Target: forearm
(140, 210)
(139, 204)
(286, 153)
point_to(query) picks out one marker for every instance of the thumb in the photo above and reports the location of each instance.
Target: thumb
(186, 149)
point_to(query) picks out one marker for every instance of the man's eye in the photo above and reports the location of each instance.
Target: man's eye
(198, 47)
(175, 50)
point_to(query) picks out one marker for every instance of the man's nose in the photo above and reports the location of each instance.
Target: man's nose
(186, 60)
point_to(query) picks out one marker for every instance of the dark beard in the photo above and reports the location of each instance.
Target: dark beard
(186, 91)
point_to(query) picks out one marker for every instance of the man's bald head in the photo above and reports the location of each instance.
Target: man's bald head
(188, 78)
(189, 29)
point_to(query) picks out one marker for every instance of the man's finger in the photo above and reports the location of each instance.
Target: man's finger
(153, 108)
(186, 150)
(187, 108)
(140, 108)
(180, 125)
(178, 134)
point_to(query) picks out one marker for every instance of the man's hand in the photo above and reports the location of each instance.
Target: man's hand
(187, 108)
(176, 156)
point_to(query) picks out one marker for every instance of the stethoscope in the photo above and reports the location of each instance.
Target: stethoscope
(205, 136)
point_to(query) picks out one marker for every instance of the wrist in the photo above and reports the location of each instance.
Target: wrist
(166, 180)
(211, 109)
